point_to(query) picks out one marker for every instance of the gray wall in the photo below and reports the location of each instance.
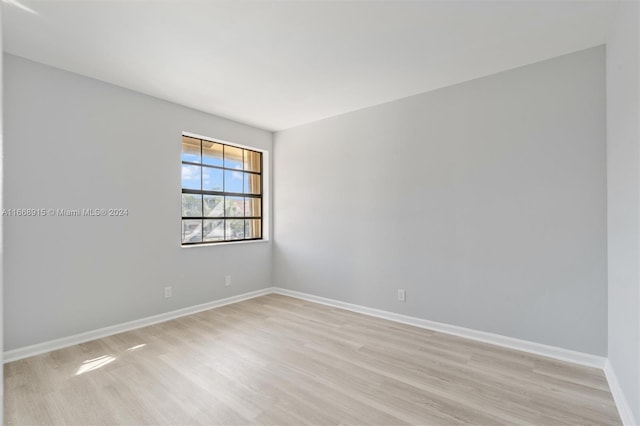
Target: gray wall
(623, 191)
(485, 201)
(74, 142)
(1, 219)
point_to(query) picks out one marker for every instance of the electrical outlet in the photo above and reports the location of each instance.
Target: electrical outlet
(227, 280)
(401, 295)
(168, 292)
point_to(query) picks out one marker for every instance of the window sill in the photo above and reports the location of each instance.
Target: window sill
(226, 243)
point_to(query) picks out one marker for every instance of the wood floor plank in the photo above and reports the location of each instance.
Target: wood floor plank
(277, 360)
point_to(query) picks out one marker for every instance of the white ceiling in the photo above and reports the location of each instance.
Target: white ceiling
(279, 64)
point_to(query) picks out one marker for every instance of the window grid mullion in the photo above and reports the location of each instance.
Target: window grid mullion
(211, 166)
(224, 187)
(201, 188)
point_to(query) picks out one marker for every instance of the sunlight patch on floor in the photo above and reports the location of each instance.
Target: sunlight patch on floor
(133, 348)
(93, 364)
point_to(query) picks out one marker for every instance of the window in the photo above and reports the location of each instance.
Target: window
(221, 192)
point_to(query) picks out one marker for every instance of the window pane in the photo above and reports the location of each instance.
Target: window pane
(212, 179)
(212, 153)
(252, 206)
(213, 205)
(190, 176)
(213, 230)
(191, 205)
(233, 181)
(233, 157)
(234, 206)
(234, 229)
(191, 231)
(252, 160)
(190, 149)
(252, 228)
(251, 183)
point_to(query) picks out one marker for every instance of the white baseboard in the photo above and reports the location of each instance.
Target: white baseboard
(495, 339)
(624, 409)
(481, 336)
(51, 345)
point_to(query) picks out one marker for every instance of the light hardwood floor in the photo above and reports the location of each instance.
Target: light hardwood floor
(279, 360)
